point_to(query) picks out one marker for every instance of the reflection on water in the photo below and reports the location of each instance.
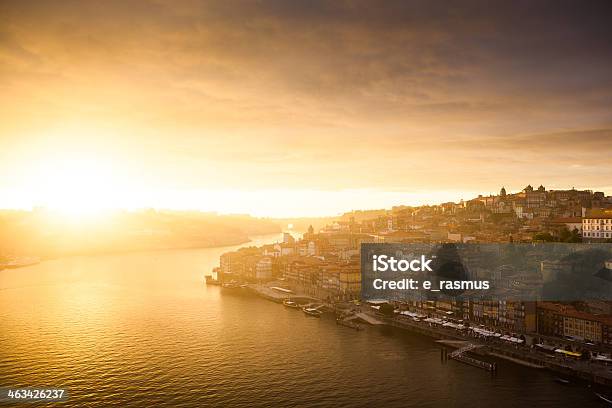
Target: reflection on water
(142, 329)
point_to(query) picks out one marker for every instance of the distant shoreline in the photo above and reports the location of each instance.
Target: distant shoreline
(230, 243)
(136, 250)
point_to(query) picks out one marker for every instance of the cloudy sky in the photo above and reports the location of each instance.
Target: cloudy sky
(300, 107)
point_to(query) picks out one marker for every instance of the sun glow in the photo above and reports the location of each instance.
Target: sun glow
(75, 185)
(80, 187)
(80, 180)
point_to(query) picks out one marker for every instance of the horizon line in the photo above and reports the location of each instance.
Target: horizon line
(422, 202)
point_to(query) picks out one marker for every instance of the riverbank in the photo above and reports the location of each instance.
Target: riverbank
(521, 355)
(518, 354)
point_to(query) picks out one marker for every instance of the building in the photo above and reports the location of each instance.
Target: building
(549, 319)
(564, 320)
(350, 280)
(263, 268)
(515, 316)
(597, 225)
(246, 264)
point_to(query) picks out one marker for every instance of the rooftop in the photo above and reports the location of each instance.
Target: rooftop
(570, 311)
(599, 213)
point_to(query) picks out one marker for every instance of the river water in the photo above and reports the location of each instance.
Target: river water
(142, 329)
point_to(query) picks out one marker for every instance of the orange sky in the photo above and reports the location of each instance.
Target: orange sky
(298, 108)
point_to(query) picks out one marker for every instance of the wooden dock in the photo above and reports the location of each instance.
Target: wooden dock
(460, 355)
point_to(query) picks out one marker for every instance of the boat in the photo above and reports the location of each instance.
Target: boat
(290, 304)
(604, 398)
(563, 381)
(233, 287)
(348, 323)
(311, 311)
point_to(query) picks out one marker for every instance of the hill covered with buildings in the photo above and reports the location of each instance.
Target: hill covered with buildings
(324, 263)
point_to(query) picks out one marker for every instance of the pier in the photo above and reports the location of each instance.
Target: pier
(278, 294)
(460, 355)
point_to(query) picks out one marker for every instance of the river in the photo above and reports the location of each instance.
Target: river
(142, 329)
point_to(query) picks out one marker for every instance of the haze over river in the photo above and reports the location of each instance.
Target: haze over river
(142, 329)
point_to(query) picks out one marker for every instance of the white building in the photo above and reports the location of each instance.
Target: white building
(597, 225)
(263, 269)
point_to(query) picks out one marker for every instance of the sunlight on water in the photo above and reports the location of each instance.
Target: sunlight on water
(142, 329)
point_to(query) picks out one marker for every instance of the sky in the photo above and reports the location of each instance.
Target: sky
(287, 108)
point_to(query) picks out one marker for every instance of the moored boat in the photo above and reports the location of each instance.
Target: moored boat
(348, 323)
(290, 304)
(604, 398)
(311, 311)
(233, 287)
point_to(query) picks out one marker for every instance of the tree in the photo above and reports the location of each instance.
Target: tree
(544, 236)
(569, 236)
(564, 235)
(575, 237)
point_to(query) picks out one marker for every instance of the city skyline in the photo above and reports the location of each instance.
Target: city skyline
(286, 109)
(400, 200)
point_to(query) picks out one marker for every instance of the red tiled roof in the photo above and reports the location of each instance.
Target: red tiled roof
(570, 311)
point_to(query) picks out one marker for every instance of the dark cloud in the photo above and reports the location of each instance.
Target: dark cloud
(420, 58)
(301, 82)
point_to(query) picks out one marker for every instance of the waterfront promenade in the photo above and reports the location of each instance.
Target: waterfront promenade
(519, 354)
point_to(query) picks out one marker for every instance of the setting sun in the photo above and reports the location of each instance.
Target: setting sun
(74, 184)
